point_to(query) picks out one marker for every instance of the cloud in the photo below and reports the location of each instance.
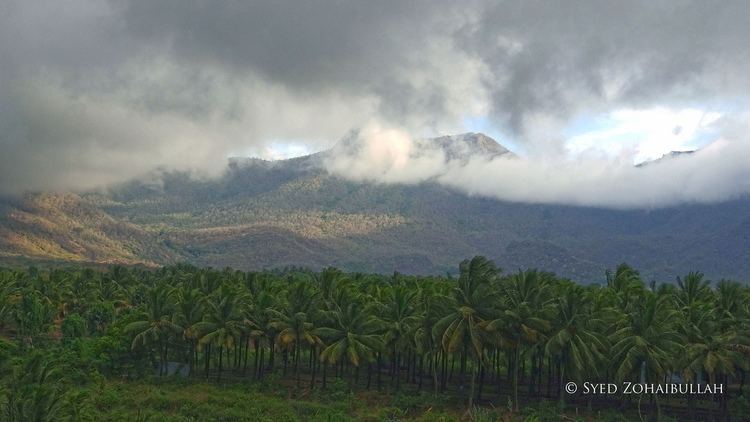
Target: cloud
(94, 92)
(717, 172)
(552, 60)
(705, 176)
(377, 154)
(650, 133)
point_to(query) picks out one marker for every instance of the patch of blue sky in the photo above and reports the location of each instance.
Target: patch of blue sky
(276, 150)
(587, 122)
(646, 133)
(284, 149)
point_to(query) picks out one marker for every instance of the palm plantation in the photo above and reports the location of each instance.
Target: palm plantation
(482, 337)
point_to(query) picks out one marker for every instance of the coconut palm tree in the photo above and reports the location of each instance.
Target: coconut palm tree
(626, 285)
(710, 349)
(434, 305)
(263, 329)
(224, 323)
(397, 314)
(294, 322)
(523, 319)
(35, 393)
(462, 330)
(191, 308)
(729, 303)
(575, 339)
(646, 341)
(692, 289)
(34, 315)
(8, 297)
(156, 324)
(351, 334)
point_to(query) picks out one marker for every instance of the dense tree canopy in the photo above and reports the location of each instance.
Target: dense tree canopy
(482, 336)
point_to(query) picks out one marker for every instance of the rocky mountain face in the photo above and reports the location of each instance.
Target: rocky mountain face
(668, 156)
(468, 144)
(265, 214)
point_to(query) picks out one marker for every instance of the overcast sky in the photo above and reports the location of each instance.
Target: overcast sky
(96, 92)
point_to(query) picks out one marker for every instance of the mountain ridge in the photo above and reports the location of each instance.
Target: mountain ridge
(264, 214)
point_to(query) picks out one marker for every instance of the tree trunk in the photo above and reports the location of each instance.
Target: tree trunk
(255, 358)
(421, 370)
(549, 376)
(516, 359)
(398, 371)
(691, 406)
(325, 368)
(498, 378)
(195, 352)
(532, 374)
(310, 361)
(453, 366)
(247, 347)
(208, 360)
(191, 362)
(271, 343)
(471, 392)
(658, 407)
(163, 359)
(313, 365)
(393, 364)
(433, 369)
(221, 354)
(260, 365)
(481, 381)
(539, 371)
(296, 363)
(562, 380)
(444, 378)
(742, 382)
(462, 373)
(378, 374)
(369, 374)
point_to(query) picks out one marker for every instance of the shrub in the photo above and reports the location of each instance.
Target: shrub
(73, 327)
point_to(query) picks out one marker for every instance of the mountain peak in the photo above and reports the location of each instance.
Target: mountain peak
(668, 156)
(460, 146)
(468, 144)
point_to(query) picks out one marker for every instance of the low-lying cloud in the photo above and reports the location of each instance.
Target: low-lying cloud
(715, 173)
(386, 155)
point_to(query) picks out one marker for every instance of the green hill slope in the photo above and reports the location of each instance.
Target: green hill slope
(262, 214)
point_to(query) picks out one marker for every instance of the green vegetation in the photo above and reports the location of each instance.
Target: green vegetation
(184, 343)
(265, 215)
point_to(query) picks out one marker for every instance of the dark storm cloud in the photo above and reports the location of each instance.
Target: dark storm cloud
(95, 92)
(312, 48)
(558, 58)
(198, 81)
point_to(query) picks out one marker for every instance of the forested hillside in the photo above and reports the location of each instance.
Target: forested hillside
(271, 214)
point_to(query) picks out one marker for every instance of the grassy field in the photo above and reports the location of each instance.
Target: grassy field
(182, 400)
(191, 401)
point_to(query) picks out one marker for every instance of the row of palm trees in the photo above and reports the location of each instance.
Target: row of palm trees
(523, 334)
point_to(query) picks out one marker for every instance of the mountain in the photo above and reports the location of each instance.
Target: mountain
(468, 144)
(264, 214)
(69, 228)
(668, 156)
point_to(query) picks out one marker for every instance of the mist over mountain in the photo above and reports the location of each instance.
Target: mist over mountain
(266, 214)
